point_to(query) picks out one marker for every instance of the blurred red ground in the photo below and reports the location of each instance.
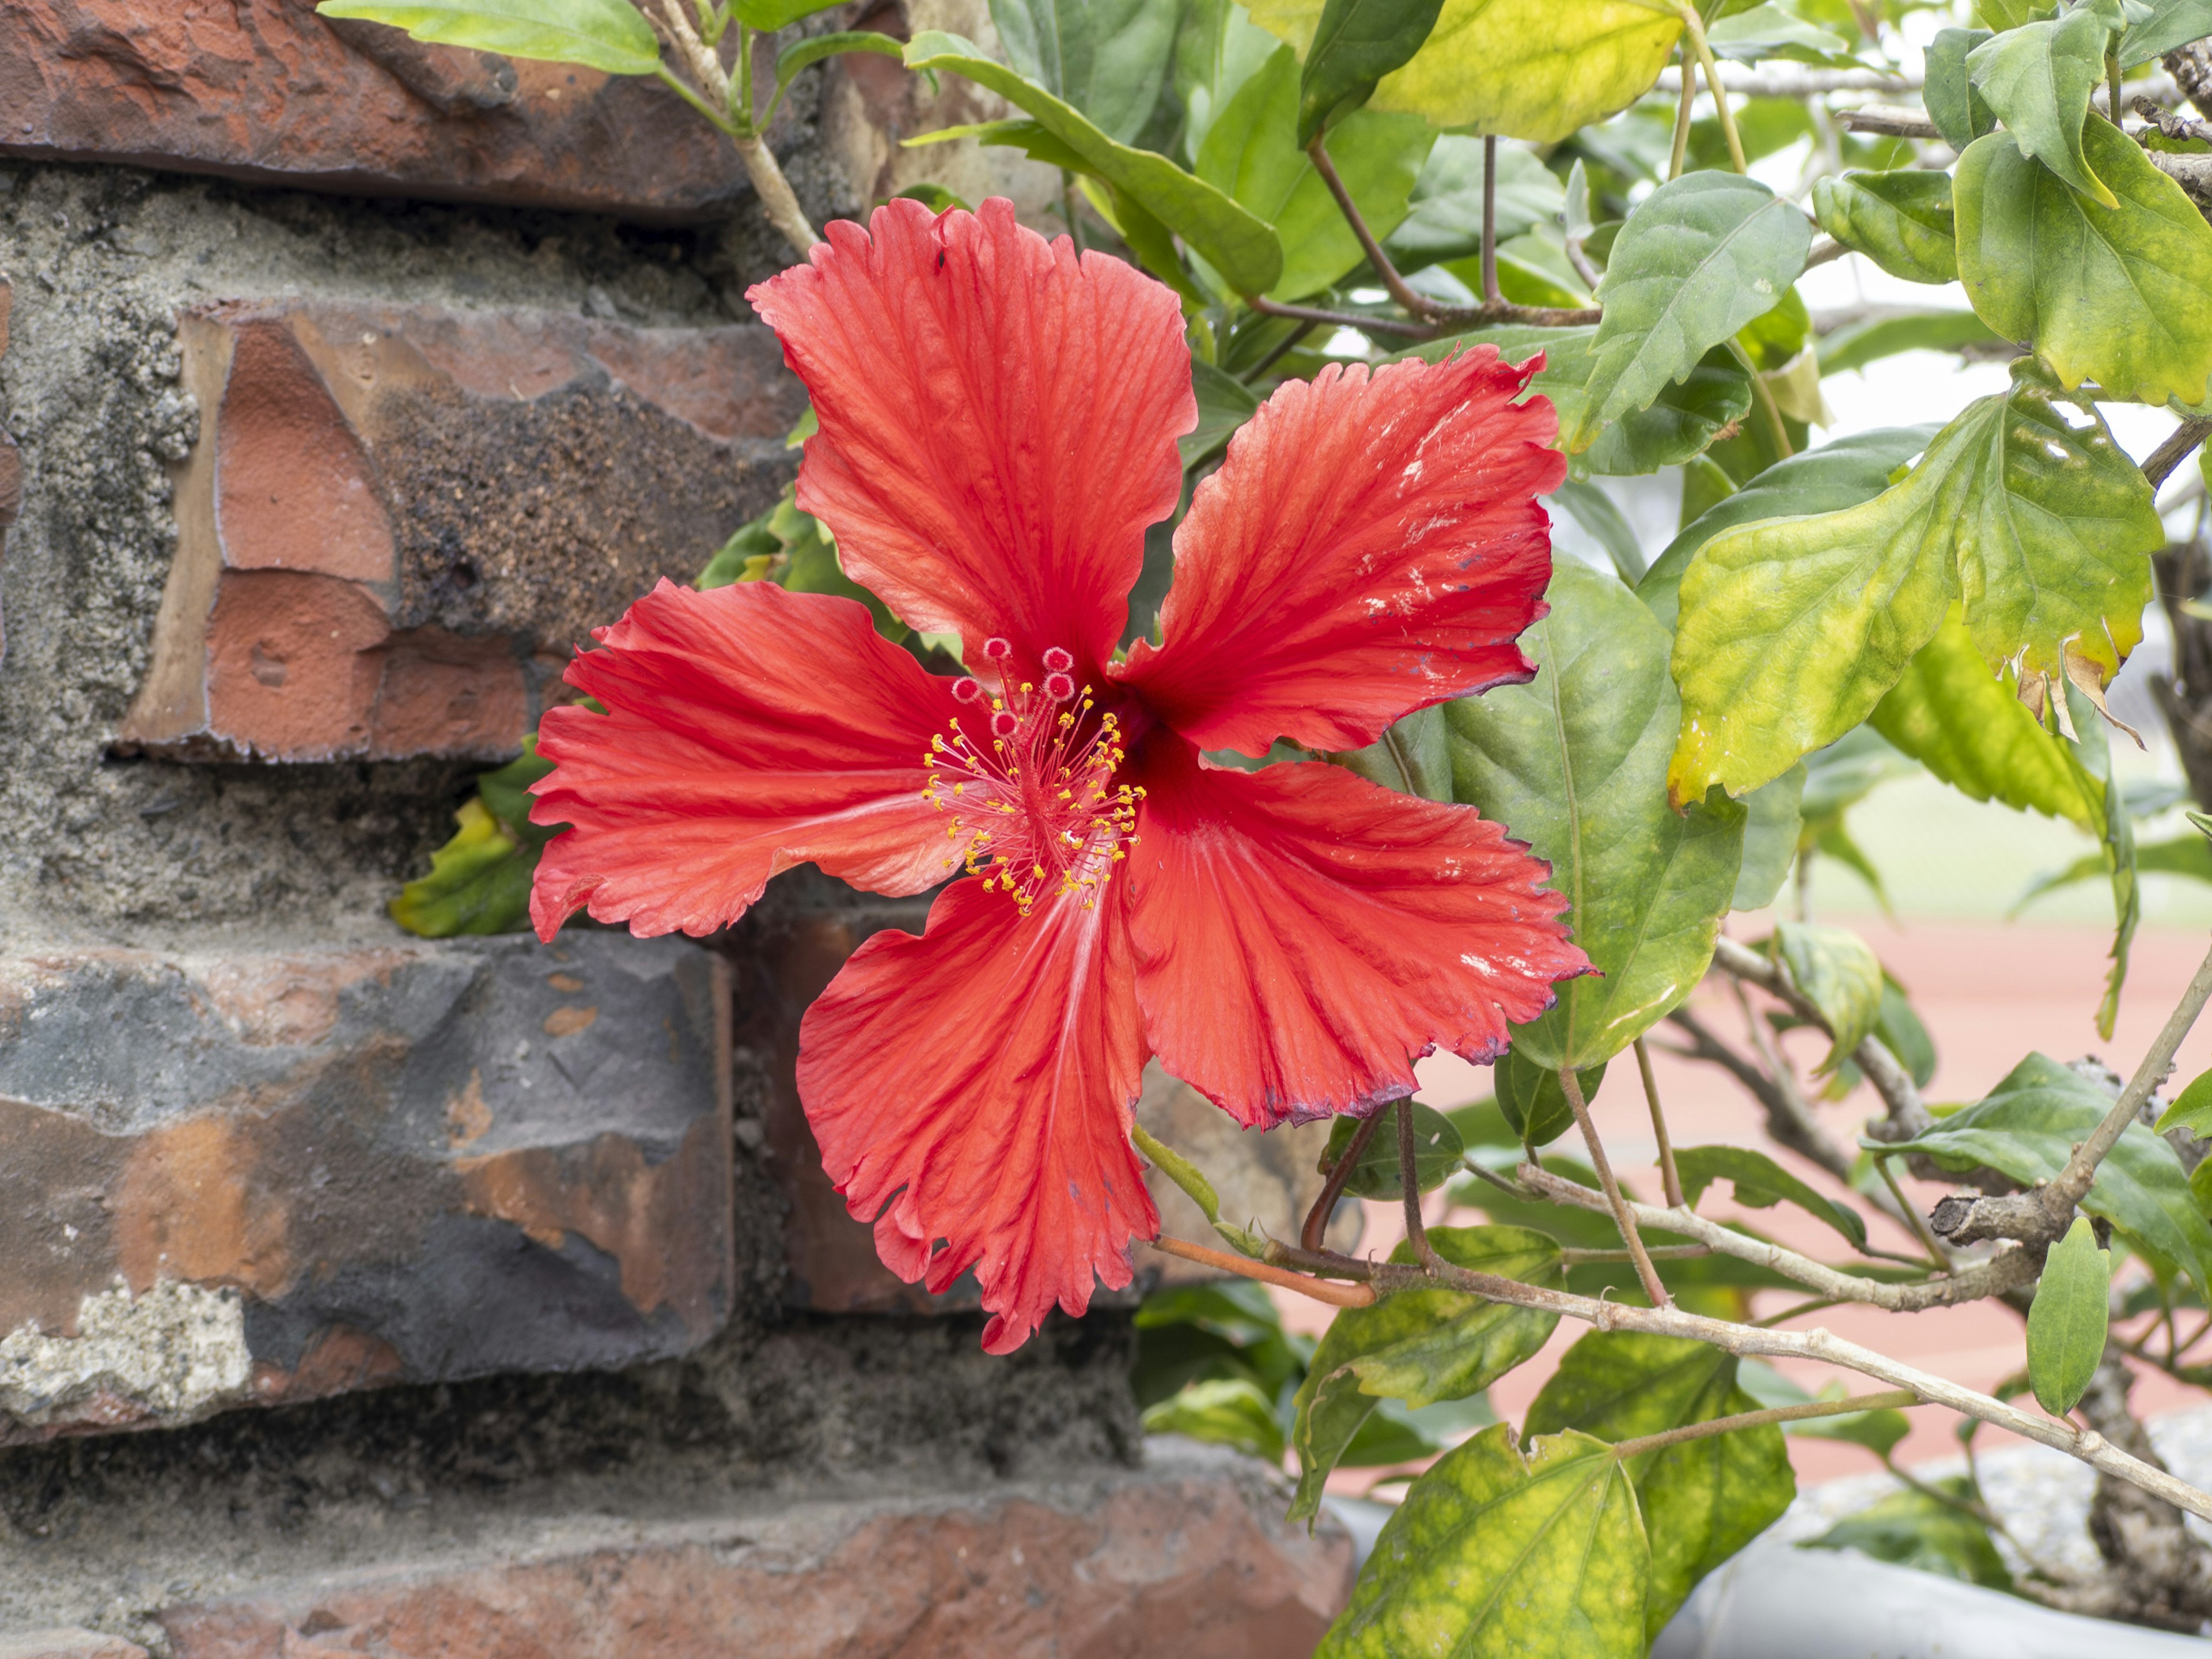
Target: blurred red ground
(1989, 992)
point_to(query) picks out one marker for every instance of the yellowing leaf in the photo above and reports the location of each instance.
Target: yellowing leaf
(1964, 724)
(1523, 68)
(1792, 630)
(2114, 294)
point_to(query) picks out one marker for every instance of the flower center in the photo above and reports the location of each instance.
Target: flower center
(1034, 808)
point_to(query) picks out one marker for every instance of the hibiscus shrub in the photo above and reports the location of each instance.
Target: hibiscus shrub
(1177, 600)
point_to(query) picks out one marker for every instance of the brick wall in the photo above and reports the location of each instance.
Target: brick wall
(363, 1293)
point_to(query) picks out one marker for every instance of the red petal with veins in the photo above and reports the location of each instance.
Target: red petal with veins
(974, 1086)
(1371, 545)
(998, 422)
(1303, 936)
(748, 729)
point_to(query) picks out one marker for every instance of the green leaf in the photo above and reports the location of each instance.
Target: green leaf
(1772, 818)
(769, 15)
(1791, 632)
(1226, 1410)
(1838, 975)
(1773, 31)
(2091, 758)
(479, 881)
(1900, 220)
(1413, 757)
(1594, 510)
(1698, 259)
(1949, 96)
(1762, 1183)
(1523, 68)
(2113, 294)
(609, 35)
(1443, 217)
(2066, 1325)
(1543, 1558)
(2037, 79)
(1534, 1103)
(1356, 44)
(1847, 771)
(1576, 760)
(1858, 344)
(1903, 1034)
(1685, 417)
(1048, 42)
(2172, 23)
(2028, 1126)
(1225, 403)
(1703, 1500)
(1437, 1155)
(1419, 1346)
(803, 54)
(2191, 1110)
(1844, 473)
(1912, 1529)
(1241, 248)
(1251, 154)
(1964, 724)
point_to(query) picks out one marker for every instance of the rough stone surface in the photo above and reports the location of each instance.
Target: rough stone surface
(104, 262)
(313, 1170)
(788, 949)
(364, 520)
(268, 91)
(67, 1644)
(763, 1421)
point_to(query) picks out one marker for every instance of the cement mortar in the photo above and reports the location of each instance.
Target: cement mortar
(102, 260)
(101, 1532)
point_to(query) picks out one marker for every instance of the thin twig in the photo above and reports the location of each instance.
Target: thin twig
(1409, 1179)
(1621, 1216)
(1820, 1345)
(2175, 450)
(1491, 296)
(1825, 249)
(1339, 1296)
(1268, 307)
(2041, 1215)
(1796, 1310)
(1908, 1114)
(1787, 1120)
(1938, 1257)
(2008, 1270)
(1670, 1179)
(1682, 107)
(1419, 305)
(1888, 1401)
(776, 200)
(1313, 1235)
(1694, 25)
(1290, 343)
(1890, 123)
(1572, 1257)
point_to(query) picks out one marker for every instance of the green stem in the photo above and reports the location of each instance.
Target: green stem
(1865, 1402)
(1683, 113)
(1696, 27)
(742, 92)
(721, 121)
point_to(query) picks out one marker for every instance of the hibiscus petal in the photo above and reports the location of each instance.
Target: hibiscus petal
(998, 422)
(1303, 936)
(748, 729)
(1371, 545)
(975, 1085)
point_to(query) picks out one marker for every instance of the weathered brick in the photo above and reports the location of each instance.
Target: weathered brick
(67, 1644)
(260, 1176)
(11, 460)
(396, 521)
(265, 90)
(793, 949)
(1187, 1558)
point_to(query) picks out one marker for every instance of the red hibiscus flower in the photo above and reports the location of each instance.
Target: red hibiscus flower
(998, 421)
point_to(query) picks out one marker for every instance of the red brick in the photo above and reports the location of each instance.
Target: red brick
(1160, 1567)
(67, 1644)
(398, 520)
(266, 1175)
(265, 90)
